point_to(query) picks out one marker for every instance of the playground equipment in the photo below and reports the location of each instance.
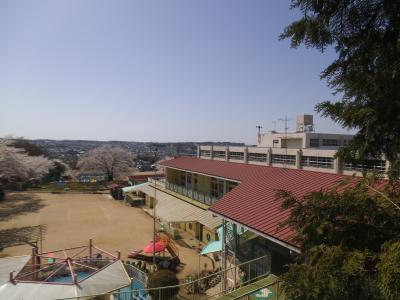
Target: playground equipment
(163, 243)
(67, 273)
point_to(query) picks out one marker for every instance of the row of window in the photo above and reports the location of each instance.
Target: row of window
(315, 143)
(371, 165)
(189, 181)
(317, 162)
(257, 157)
(217, 187)
(236, 155)
(205, 153)
(220, 154)
(186, 180)
(284, 159)
(306, 161)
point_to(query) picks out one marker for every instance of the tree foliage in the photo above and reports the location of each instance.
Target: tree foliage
(112, 161)
(389, 271)
(366, 37)
(344, 240)
(17, 165)
(350, 239)
(30, 148)
(60, 168)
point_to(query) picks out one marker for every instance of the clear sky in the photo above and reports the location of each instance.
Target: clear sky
(166, 70)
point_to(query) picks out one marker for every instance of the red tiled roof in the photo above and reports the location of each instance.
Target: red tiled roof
(253, 202)
(113, 185)
(144, 177)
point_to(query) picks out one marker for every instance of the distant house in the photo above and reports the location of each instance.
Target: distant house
(143, 166)
(92, 177)
(140, 177)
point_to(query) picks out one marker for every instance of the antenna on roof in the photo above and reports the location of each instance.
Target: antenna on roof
(274, 122)
(286, 120)
(259, 133)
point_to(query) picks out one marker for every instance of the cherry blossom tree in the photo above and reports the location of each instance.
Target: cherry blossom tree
(17, 165)
(113, 161)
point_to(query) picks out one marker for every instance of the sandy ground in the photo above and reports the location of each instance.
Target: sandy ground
(74, 218)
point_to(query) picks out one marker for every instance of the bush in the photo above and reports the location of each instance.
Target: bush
(163, 278)
(2, 193)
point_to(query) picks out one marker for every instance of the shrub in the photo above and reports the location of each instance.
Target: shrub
(163, 278)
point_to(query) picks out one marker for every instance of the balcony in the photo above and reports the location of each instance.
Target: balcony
(195, 195)
(158, 181)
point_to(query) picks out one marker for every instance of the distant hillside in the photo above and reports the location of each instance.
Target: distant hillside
(70, 150)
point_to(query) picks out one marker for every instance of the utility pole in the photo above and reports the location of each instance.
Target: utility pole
(154, 209)
(259, 134)
(286, 120)
(274, 122)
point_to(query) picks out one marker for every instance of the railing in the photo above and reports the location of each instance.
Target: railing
(158, 181)
(206, 287)
(195, 195)
(135, 273)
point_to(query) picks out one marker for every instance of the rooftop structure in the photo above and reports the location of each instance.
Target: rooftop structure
(304, 137)
(252, 202)
(303, 149)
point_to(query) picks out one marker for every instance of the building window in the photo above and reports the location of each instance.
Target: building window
(317, 162)
(369, 165)
(231, 185)
(208, 236)
(220, 154)
(330, 142)
(190, 226)
(205, 153)
(284, 159)
(183, 179)
(189, 180)
(314, 143)
(195, 181)
(236, 155)
(217, 187)
(257, 157)
(275, 143)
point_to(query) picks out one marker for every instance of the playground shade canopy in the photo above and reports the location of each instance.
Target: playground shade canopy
(112, 277)
(11, 264)
(216, 246)
(212, 247)
(129, 189)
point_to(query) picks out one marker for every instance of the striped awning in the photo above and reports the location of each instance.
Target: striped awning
(173, 210)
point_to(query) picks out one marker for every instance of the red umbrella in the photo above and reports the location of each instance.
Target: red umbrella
(159, 247)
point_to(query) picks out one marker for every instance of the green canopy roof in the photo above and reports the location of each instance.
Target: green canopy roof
(132, 188)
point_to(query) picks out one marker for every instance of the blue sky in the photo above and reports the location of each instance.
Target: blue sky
(166, 70)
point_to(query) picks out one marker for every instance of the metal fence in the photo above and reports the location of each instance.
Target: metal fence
(136, 274)
(198, 196)
(207, 287)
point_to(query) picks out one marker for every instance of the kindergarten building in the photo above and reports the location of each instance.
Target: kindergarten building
(200, 196)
